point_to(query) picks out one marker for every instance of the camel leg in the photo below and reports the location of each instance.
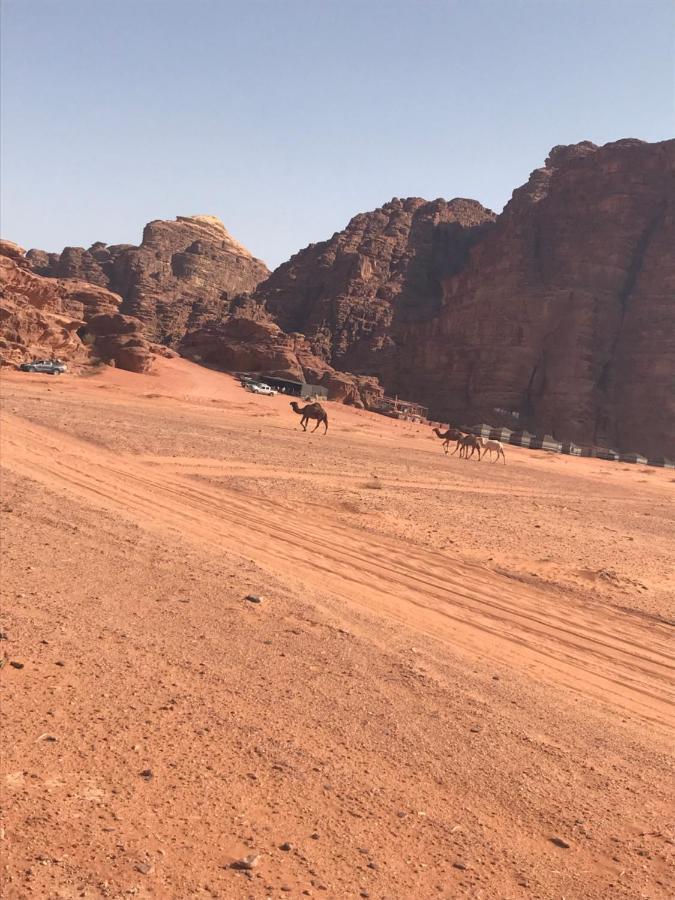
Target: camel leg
(303, 422)
(503, 456)
(318, 422)
(325, 426)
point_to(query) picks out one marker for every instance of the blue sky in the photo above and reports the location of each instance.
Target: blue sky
(286, 117)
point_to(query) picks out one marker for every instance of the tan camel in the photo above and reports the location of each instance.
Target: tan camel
(469, 441)
(452, 434)
(311, 411)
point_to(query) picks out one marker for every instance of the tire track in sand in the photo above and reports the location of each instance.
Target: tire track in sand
(622, 661)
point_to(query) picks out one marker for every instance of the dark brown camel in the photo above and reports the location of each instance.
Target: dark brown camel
(311, 411)
(452, 434)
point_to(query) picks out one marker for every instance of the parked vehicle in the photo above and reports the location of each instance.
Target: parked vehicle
(46, 366)
(257, 388)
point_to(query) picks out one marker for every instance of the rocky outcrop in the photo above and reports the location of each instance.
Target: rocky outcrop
(12, 251)
(184, 274)
(564, 312)
(120, 340)
(560, 311)
(352, 294)
(72, 320)
(556, 316)
(33, 321)
(246, 345)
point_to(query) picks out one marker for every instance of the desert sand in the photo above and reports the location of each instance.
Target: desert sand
(458, 682)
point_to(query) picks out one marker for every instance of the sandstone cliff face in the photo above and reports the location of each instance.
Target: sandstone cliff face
(565, 310)
(350, 295)
(69, 319)
(184, 274)
(33, 321)
(245, 345)
(560, 310)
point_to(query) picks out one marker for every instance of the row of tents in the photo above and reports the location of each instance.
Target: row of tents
(547, 442)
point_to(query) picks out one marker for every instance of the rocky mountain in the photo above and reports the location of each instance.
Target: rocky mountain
(564, 312)
(73, 320)
(352, 295)
(184, 274)
(560, 310)
(557, 314)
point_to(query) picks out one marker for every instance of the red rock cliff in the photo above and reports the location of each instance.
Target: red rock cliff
(561, 311)
(565, 310)
(184, 274)
(65, 318)
(351, 294)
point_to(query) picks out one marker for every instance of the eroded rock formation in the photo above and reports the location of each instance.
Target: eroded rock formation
(565, 310)
(184, 274)
(246, 345)
(73, 320)
(561, 310)
(351, 295)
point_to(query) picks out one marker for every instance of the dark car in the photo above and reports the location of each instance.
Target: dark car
(46, 366)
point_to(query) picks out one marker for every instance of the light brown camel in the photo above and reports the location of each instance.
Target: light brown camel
(493, 447)
(469, 441)
(450, 435)
(311, 411)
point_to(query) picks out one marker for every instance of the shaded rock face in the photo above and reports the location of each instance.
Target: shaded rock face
(72, 320)
(184, 274)
(352, 294)
(565, 311)
(246, 345)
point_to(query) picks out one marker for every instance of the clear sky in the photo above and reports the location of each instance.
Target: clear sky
(287, 117)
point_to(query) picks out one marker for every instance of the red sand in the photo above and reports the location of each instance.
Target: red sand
(453, 662)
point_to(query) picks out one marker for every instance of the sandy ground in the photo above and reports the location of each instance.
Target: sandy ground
(453, 662)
